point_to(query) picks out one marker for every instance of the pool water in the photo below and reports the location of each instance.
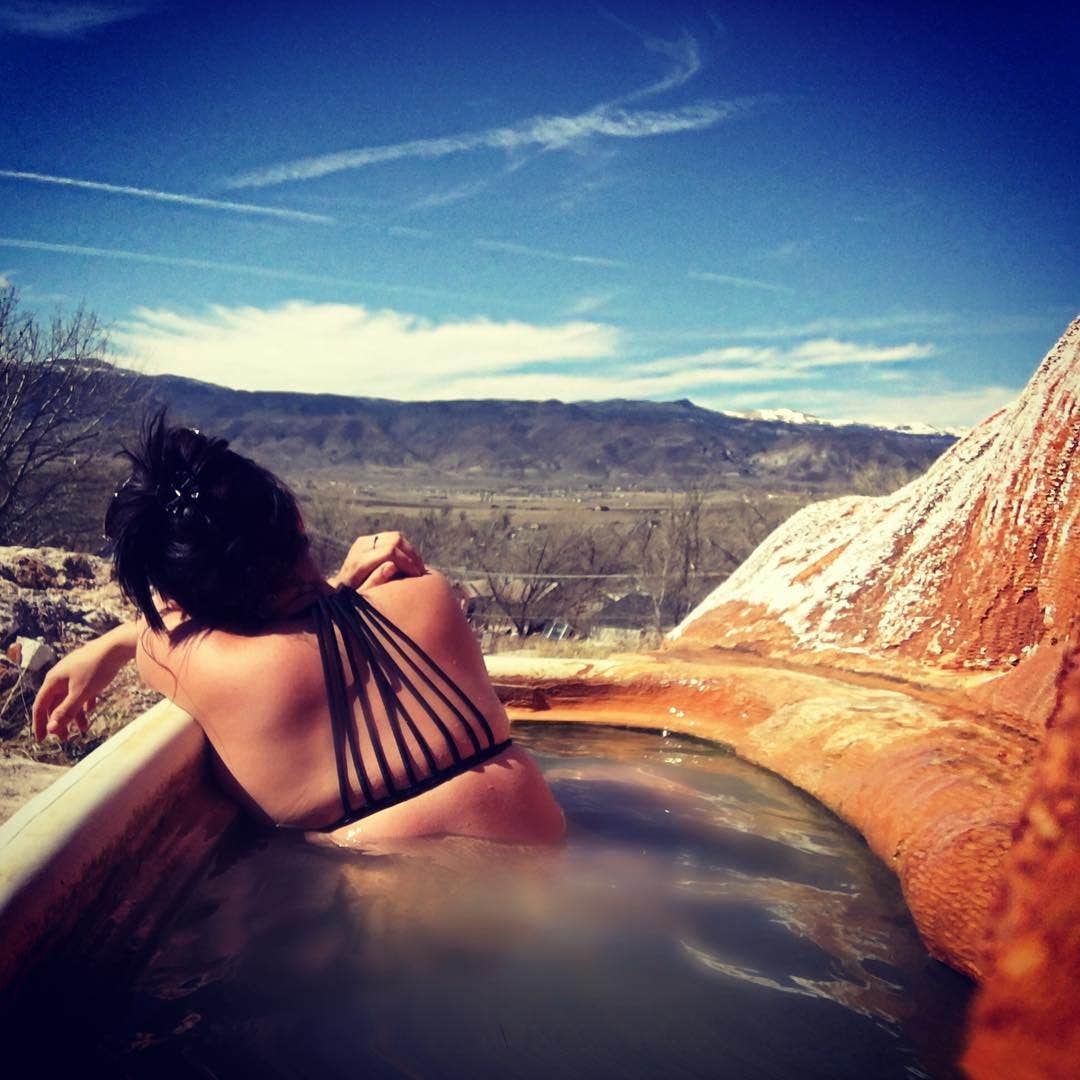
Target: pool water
(703, 919)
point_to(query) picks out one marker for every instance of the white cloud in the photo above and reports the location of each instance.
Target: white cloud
(449, 195)
(940, 321)
(682, 51)
(587, 303)
(339, 348)
(766, 363)
(718, 25)
(353, 350)
(635, 383)
(828, 352)
(951, 323)
(577, 191)
(6, 279)
(148, 257)
(698, 375)
(167, 196)
(840, 325)
(732, 363)
(788, 251)
(43, 18)
(409, 231)
(349, 349)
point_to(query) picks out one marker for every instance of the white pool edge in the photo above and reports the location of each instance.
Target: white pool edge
(111, 808)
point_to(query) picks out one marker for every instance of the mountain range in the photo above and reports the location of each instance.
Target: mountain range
(548, 445)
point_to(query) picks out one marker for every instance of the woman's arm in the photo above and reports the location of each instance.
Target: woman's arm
(373, 560)
(72, 686)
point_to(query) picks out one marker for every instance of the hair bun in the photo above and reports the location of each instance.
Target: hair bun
(202, 526)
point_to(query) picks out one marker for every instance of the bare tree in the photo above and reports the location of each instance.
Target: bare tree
(333, 520)
(534, 575)
(667, 556)
(682, 552)
(57, 395)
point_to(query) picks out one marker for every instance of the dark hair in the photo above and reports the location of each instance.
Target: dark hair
(203, 527)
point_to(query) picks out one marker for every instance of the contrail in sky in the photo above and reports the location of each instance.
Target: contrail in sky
(228, 267)
(167, 196)
(544, 132)
(733, 279)
(607, 119)
(62, 20)
(540, 253)
(173, 260)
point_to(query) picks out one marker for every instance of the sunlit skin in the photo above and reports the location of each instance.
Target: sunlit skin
(261, 700)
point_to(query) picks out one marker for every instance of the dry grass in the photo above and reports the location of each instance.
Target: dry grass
(575, 648)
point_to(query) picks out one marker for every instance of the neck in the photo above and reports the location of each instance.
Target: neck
(304, 586)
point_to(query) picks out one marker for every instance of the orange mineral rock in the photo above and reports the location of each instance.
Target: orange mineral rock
(963, 587)
(1026, 1020)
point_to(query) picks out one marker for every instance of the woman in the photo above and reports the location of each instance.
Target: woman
(358, 706)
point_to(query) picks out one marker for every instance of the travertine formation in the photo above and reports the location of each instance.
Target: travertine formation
(972, 566)
(934, 787)
(1025, 1024)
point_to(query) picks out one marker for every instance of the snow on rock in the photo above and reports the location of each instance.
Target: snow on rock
(31, 655)
(973, 565)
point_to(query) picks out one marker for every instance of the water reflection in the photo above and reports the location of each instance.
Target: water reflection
(703, 919)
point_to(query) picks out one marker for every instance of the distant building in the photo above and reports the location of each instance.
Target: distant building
(630, 618)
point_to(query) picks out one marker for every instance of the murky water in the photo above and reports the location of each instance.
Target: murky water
(704, 919)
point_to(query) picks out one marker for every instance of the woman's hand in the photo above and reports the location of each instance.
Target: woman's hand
(374, 560)
(72, 686)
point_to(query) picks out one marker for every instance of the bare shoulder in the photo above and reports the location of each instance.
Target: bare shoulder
(159, 656)
(407, 597)
(429, 609)
(176, 660)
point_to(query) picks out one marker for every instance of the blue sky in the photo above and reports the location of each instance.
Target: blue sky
(856, 210)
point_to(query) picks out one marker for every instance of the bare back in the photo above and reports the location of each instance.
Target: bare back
(262, 701)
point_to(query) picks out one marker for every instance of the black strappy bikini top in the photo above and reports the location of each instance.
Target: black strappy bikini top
(385, 660)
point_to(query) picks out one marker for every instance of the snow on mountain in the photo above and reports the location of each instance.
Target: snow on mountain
(794, 416)
(782, 416)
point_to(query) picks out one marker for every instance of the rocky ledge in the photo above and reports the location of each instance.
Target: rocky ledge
(933, 784)
(51, 601)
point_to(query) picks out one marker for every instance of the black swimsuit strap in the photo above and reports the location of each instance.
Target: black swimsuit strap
(334, 677)
(382, 656)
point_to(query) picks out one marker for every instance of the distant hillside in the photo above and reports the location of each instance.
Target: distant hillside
(548, 444)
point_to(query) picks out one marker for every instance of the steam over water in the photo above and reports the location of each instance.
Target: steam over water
(704, 919)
